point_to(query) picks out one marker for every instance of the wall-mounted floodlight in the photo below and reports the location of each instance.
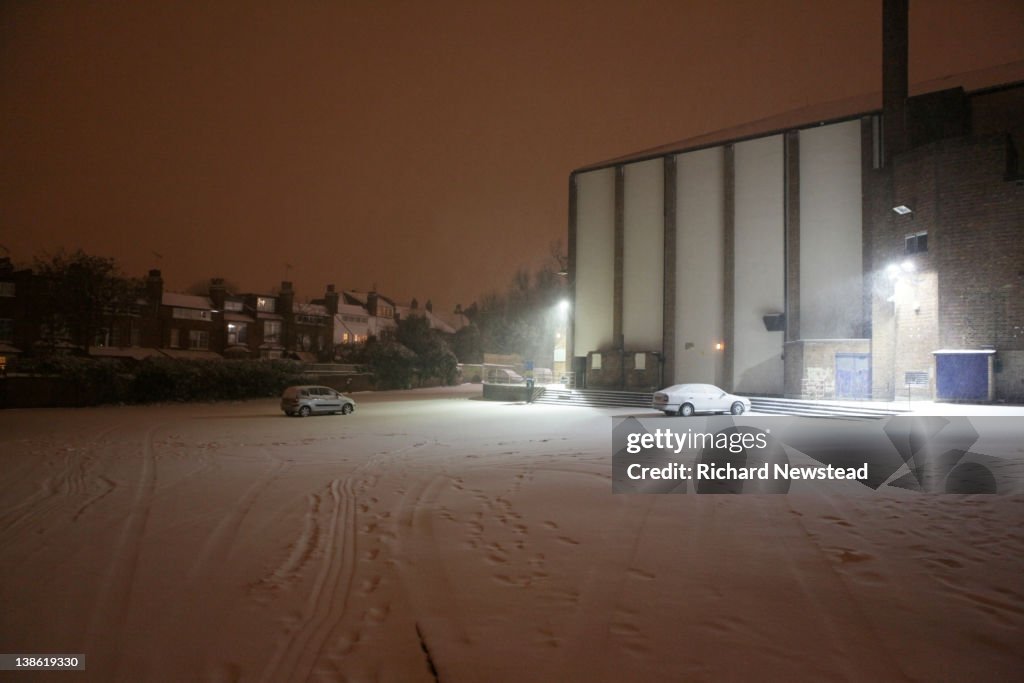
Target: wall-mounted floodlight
(907, 266)
(563, 305)
(893, 271)
(719, 346)
(902, 209)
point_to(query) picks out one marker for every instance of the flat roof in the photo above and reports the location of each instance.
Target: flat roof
(974, 82)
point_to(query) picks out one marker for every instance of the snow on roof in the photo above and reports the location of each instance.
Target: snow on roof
(310, 309)
(352, 309)
(439, 324)
(186, 301)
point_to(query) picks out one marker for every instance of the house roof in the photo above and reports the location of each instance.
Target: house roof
(309, 309)
(825, 112)
(361, 297)
(186, 301)
(352, 309)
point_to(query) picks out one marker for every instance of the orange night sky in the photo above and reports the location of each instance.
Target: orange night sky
(421, 146)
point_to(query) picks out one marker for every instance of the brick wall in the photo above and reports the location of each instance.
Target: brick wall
(966, 290)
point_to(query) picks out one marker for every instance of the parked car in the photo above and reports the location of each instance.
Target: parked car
(687, 399)
(306, 400)
(503, 376)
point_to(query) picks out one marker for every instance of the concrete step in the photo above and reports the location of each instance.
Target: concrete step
(596, 398)
(793, 406)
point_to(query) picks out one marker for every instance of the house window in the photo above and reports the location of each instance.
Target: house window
(6, 330)
(175, 340)
(917, 243)
(272, 331)
(595, 361)
(232, 305)
(190, 314)
(198, 339)
(238, 333)
(265, 304)
(6, 289)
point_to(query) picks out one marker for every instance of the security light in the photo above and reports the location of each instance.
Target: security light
(902, 209)
(907, 266)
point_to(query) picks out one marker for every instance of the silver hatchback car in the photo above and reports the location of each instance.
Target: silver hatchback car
(306, 400)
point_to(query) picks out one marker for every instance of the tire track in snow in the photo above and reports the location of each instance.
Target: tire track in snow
(71, 480)
(113, 603)
(328, 598)
(221, 540)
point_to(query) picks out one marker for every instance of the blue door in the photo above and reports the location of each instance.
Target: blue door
(961, 376)
(853, 375)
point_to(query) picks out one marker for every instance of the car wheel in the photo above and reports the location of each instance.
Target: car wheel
(347, 409)
(304, 411)
(685, 410)
(737, 408)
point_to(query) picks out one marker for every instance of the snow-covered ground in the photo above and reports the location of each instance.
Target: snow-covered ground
(430, 536)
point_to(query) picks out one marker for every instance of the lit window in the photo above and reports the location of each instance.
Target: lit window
(238, 333)
(265, 304)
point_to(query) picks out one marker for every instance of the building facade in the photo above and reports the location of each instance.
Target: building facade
(827, 253)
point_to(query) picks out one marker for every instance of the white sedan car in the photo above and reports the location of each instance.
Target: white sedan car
(687, 399)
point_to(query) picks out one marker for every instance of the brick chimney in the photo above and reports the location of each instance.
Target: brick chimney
(218, 293)
(286, 297)
(154, 288)
(895, 66)
(331, 300)
(429, 306)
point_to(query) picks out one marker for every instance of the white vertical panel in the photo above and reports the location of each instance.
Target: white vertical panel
(759, 258)
(643, 255)
(595, 260)
(830, 232)
(700, 233)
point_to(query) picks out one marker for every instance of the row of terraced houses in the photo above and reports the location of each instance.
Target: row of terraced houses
(219, 324)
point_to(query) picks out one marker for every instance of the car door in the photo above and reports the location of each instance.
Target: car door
(330, 401)
(718, 400)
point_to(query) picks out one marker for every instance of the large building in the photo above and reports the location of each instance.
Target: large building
(861, 249)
